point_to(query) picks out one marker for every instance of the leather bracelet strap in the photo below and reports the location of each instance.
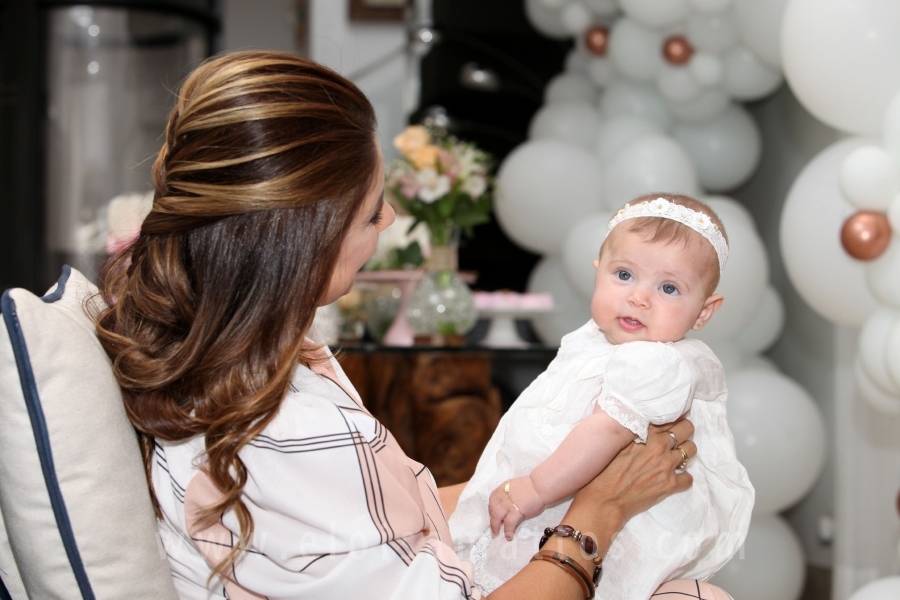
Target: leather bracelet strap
(571, 567)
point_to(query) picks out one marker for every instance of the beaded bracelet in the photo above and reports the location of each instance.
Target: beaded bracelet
(569, 566)
(588, 544)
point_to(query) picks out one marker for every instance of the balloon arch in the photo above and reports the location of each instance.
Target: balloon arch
(650, 100)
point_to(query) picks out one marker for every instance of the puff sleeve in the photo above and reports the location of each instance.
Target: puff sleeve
(646, 382)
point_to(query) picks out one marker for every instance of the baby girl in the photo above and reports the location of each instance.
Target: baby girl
(630, 366)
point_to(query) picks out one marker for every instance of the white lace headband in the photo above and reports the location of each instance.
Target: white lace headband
(698, 221)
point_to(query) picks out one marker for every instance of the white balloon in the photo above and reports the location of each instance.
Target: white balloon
(544, 187)
(842, 59)
(890, 361)
(652, 163)
(729, 210)
(573, 122)
(576, 18)
(873, 348)
(707, 69)
(764, 327)
(733, 359)
(811, 221)
(770, 565)
(577, 61)
(744, 280)
(677, 84)
(603, 8)
(582, 248)
(571, 309)
(616, 133)
(759, 27)
(570, 87)
(874, 397)
(653, 13)
(635, 50)
(554, 4)
(725, 150)
(625, 97)
(712, 33)
(711, 6)
(711, 103)
(747, 77)
(601, 71)
(883, 275)
(761, 362)
(869, 179)
(779, 436)
(893, 213)
(545, 20)
(891, 134)
(880, 589)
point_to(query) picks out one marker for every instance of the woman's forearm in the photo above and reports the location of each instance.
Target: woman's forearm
(545, 581)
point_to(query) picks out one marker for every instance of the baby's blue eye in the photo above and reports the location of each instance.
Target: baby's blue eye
(669, 289)
(623, 275)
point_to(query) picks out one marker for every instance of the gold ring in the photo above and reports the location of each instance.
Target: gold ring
(506, 489)
(674, 439)
(684, 459)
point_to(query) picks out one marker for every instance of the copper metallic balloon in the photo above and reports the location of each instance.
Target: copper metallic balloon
(677, 50)
(866, 234)
(596, 39)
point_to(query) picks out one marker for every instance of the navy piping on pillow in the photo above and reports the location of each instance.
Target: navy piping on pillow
(42, 441)
(60, 286)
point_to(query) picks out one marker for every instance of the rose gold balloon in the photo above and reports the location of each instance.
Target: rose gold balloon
(677, 50)
(596, 39)
(866, 234)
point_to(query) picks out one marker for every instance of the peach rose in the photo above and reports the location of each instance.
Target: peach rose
(412, 138)
(425, 157)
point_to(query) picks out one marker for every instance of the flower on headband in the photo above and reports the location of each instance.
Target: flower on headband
(658, 206)
(700, 221)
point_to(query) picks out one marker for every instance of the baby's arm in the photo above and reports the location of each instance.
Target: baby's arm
(586, 451)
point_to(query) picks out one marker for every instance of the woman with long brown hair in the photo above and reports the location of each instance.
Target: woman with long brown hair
(269, 477)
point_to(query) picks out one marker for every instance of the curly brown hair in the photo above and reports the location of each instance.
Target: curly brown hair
(267, 159)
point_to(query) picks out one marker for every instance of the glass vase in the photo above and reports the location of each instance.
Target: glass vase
(442, 303)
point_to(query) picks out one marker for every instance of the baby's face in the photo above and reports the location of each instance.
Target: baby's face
(651, 291)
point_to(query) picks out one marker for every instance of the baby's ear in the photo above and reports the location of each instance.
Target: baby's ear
(596, 263)
(710, 306)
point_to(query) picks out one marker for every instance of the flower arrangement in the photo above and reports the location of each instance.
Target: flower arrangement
(440, 181)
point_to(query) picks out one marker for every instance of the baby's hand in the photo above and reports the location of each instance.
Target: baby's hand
(511, 503)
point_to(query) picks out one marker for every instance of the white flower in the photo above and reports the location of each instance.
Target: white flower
(433, 185)
(700, 221)
(475, 186)
(658, 206)
(466, 159)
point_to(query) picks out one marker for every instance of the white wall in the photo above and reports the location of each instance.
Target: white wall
(250, 24)
(352, 47)
(347, 47)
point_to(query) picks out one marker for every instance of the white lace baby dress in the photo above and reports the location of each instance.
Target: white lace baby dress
(691, 534)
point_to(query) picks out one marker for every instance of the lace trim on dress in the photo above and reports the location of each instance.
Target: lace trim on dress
(484, 581)
(625, 415)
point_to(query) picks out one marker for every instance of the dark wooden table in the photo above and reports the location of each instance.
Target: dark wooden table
(441, 404)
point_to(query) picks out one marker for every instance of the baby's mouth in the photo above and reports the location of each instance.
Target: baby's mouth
(629, 324)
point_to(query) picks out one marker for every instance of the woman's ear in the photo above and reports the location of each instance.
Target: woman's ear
(710, 306)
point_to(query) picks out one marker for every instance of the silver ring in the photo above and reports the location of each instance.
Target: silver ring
(674, 439)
